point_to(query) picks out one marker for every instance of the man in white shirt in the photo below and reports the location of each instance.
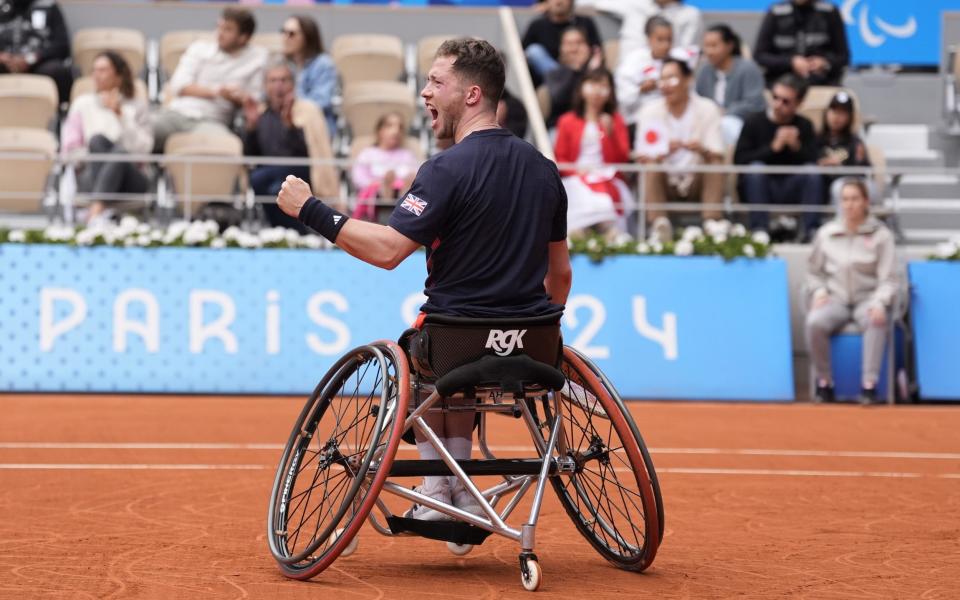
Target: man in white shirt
(680, 130)
(687, 21)
(213, 79)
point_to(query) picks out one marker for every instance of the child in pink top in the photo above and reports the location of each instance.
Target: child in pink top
(384, 170)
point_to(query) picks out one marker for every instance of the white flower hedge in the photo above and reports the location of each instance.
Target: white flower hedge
(715, 238)
(949, 250)
(130, 233)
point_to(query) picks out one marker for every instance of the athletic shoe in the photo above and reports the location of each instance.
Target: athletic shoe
(439, 491)
(824, 393)
(463, 499)
(868, 396)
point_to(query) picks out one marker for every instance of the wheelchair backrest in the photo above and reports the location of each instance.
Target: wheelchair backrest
(444, 343)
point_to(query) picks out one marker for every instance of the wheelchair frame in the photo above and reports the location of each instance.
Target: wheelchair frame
(558, 461)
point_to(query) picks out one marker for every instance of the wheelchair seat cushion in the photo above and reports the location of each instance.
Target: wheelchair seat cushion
(510, 373)
(445, 342)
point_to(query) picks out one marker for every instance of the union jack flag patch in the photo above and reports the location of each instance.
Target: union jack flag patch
(414, 204)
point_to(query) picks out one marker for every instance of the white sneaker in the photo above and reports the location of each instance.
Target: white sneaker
(463, 499)
(439, 491)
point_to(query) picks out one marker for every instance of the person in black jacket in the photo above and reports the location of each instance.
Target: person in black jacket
(780, 137)
(803, 37)
(34, 39)
(541, 42)
(838, 144)
(272, 133)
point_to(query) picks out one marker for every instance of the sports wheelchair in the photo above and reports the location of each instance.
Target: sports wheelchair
(341, 455)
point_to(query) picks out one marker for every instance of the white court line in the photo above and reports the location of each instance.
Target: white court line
(799, 473)
(495, 448)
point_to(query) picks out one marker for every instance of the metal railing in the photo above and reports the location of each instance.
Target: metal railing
(162, 196)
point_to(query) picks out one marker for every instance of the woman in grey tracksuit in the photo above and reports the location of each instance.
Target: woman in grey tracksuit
(852, 277)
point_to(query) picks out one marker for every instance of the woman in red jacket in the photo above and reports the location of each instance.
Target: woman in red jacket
(593, 136)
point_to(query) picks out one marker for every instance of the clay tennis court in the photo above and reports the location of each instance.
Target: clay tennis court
(166, 497)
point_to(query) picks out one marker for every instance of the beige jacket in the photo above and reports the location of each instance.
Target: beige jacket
(854, 268)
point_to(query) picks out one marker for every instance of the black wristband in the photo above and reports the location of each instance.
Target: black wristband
(321, 218)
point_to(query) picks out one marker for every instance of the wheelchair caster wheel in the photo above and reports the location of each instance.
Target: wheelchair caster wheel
(531, 575)
(459, 549)
(351, 547)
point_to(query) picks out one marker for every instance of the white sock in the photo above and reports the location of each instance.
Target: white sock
(428, 452)
(461, 448)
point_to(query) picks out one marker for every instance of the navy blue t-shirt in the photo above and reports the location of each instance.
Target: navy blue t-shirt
(486, 210)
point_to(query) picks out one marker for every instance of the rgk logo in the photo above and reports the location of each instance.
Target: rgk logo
(504, 342)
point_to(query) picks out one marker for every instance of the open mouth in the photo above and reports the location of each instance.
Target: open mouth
(434, 114)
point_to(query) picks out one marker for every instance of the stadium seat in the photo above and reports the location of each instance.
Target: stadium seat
(309, 117)
(129, 43)
(208, 181)
(27, 101)
(368, 57)
(25, 179)
(366, 101)
(611, 53)
(879, 161)
(271, 42)
(84, 85)
(173, 44)
(426, 50)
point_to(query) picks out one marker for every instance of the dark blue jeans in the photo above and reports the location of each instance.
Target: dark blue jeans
(798, 188)
(266, 181)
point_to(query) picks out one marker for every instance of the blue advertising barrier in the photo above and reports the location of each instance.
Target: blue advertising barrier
(272, 321)
(934, 298)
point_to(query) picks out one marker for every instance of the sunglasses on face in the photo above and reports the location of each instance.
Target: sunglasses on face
(782, 99)
(289, 33)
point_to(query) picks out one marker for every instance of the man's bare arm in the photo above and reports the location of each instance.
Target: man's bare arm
(372, 243)
(380, 245)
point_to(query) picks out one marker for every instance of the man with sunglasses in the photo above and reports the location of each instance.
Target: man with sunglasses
(779, 136)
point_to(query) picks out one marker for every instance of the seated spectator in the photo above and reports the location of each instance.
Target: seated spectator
(838, 145)
(512, 115)
(691, 125)
(594, 136)
(638, 74)
(385, 170)
(33, 39)
(803, 37)
(733, 82)
(316, 73)
(687, 21)
(108, 120)
(851, 278)
(273, 133)
(780, 137)
(213, 79)
(576, 58)
(541, 42)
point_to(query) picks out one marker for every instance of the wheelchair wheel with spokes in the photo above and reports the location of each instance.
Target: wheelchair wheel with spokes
(610, 496)
(337, 458)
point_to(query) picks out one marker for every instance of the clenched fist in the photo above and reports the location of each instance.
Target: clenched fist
(293, 195)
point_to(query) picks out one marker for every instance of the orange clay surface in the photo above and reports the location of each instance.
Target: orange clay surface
(166, 497)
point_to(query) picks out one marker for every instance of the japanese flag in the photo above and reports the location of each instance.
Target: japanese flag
(653, 139)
